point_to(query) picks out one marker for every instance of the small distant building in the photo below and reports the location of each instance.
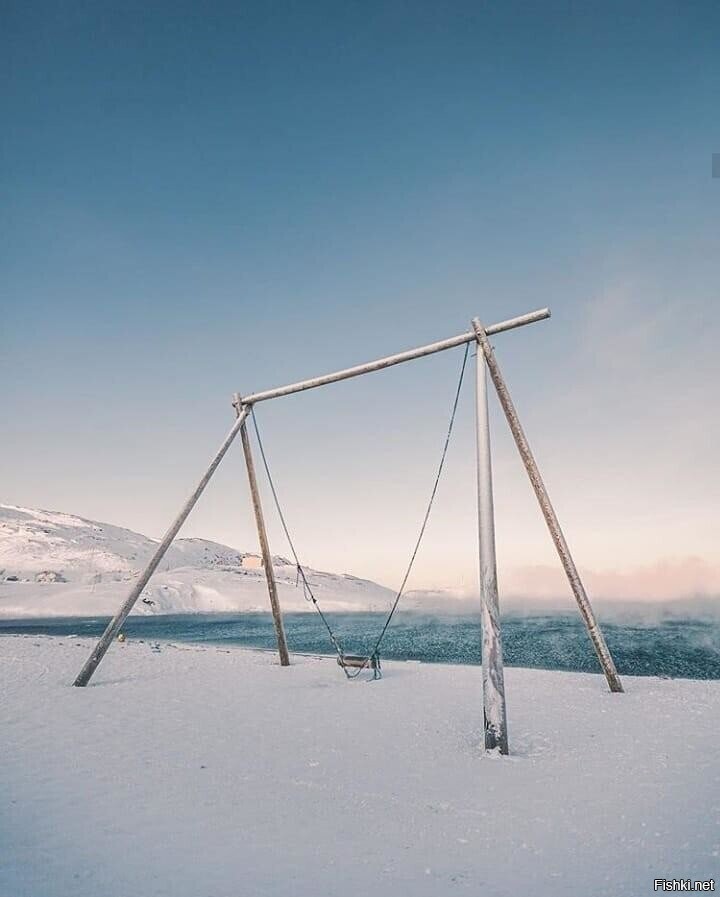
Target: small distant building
(251, 562)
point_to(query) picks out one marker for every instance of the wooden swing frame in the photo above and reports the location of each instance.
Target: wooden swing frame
(493, 676)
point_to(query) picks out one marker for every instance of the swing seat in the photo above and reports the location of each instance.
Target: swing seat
(359, 661)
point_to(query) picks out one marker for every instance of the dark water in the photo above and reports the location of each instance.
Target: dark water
(688, 648)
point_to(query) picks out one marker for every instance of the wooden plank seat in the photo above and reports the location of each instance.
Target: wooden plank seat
(360, 661)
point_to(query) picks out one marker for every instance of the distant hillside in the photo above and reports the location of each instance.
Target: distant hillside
(57, 564)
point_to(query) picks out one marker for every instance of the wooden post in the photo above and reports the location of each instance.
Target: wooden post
(533, 472)
(117, 621)
(262, 535)
(496, 736)
(401, 357)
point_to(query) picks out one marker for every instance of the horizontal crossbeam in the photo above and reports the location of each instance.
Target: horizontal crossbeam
(381, 363)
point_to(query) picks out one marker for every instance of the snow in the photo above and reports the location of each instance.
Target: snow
(57, 564)
(62, 565)
(206, 772)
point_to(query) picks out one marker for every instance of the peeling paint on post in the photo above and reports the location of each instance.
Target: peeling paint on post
(495, 715)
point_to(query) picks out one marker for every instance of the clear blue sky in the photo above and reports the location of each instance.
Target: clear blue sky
(202, 198)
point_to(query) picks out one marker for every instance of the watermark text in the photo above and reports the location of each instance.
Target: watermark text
(684, 884)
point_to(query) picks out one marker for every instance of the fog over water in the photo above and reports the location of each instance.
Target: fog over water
(669, 645)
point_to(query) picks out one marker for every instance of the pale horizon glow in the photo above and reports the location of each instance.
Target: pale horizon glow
(226, 201)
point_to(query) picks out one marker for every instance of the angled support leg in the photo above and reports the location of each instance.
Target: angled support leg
(91, 664)
(548, 512)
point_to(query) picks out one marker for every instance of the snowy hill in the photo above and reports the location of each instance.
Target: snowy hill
(56, 564)
(52, 546)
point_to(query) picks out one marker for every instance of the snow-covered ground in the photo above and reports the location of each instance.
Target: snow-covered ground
(191, 771)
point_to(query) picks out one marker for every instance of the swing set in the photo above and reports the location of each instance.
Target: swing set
(495, 718)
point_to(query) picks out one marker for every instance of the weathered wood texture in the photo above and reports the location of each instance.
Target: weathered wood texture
(548, 511)
(496, 734)
(391, 360)
(263, 539)
(117, 621)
